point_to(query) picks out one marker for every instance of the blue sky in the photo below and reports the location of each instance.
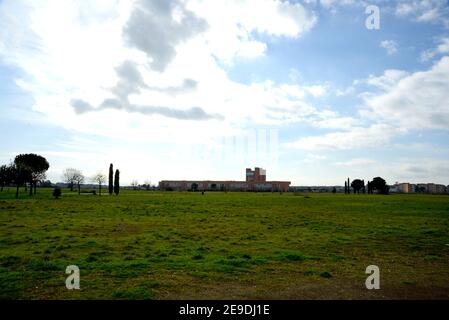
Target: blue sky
(193, 89)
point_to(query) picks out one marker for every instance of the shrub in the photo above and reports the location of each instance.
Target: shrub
(57, 192)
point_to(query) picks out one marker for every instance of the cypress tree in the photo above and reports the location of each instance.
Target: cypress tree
(117, 182)
(346, 187)
(349, 187)
(111, 179)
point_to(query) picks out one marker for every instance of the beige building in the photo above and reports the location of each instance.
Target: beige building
(255, 181)
(420, 188)
(405, 188)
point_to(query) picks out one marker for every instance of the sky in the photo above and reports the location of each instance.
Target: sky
(314, 91)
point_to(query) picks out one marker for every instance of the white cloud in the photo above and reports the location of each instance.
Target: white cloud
(390, 46)
(442, 48)
(80, 56)
(415, 101)
(423, 11)
(169, 23)
(232, 24)
(389, 79)
(423, 170)
(355, 137)
(350, 90)
(414, 169)
(316, 91)
(357, 162)
(434, 11)
(313, 158)
(332, 4)
(294, 75)
(328, 119)
(336, 123)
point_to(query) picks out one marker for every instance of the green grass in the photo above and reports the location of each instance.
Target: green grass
(155, 245)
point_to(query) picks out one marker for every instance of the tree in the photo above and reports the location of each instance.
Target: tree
(357, 185)
(39, 178)
(32, 167)
(380, 185)
(7, 175)
(134, 184)
(334, 190)
(57, 192)
(46, 184)
(100, 179)
(111, 179)
(78, 178)
(3, 177)
(117, 182)
(69, 175)
(21, 175)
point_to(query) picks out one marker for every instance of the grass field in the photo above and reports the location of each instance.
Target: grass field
(155, 245)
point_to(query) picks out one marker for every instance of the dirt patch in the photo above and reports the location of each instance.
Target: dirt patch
(123, 228)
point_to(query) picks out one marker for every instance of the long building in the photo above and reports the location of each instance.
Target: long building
(419, 188)
(255, 182)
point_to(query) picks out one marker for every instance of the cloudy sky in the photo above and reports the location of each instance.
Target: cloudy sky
(202, 89)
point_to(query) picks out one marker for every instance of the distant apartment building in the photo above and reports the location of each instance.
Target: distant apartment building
(401, 188)
(419, 188)
(255, 181)
(439, 188)
(431, 188)
(405, 188)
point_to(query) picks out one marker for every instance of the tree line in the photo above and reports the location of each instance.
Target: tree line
(28, 170)
(378, 185)
(74, 177)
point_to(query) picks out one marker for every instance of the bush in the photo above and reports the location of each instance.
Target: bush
(57, 192)
(326, 275)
